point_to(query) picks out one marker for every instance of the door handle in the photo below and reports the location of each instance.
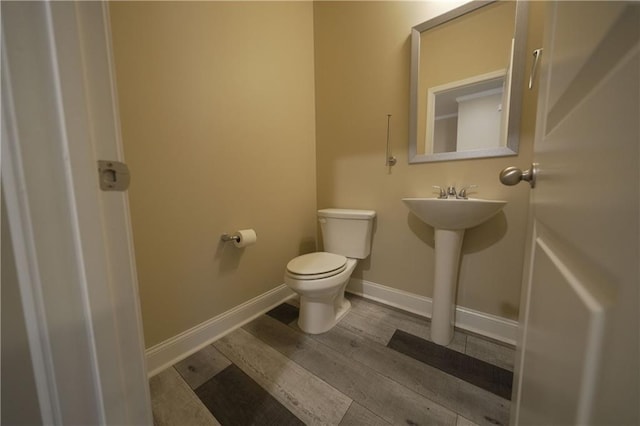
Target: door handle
(534, 67)
(512, 175)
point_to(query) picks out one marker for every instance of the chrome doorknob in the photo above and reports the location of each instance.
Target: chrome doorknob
(513, 175)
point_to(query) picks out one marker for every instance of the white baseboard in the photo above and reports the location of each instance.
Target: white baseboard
(167, 353)
(492, 326)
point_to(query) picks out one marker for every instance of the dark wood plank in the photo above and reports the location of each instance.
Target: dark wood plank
(477, 372)
(285, 313)
(235, 399)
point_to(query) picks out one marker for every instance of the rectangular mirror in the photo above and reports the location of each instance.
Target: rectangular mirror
(467, 71)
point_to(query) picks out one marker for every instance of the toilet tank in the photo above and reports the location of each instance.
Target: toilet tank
(347, 231)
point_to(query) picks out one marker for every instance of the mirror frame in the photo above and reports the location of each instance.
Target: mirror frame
(516, 88)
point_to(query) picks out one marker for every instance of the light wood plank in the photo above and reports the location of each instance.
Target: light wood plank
(202, 366)
(493, 353)
(376, 320)
(174, 404)
(309, 398)
(357, 415)
(374, 328)
(384, 397)
(464, 422)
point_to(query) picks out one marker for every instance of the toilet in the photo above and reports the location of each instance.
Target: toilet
(321, 278)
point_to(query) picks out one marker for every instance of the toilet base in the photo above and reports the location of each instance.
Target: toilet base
(318, 317)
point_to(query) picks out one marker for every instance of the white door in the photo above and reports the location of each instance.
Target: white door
(578, 360)
(72, 241)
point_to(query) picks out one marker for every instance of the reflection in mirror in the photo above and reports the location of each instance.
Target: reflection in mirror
(467, 70)
(466, 115)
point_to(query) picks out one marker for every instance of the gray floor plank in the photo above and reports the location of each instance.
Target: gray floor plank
(309, 398)
(173, 403)
(237, 400)
(470, 401)
(375, 329)
(384, 397)
(387, 387)
(480, 373)
(357, 415)
(374, 315)
(491, 352)
(202, 366)
(464, 422)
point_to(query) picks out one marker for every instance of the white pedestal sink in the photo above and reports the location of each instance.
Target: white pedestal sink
(450, 217)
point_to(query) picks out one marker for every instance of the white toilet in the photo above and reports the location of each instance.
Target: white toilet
(320, 278)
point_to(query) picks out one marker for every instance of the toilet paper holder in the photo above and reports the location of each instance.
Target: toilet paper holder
(227, 237)
(241, 238)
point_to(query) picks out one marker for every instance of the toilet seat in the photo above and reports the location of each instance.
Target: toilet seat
(315, 266)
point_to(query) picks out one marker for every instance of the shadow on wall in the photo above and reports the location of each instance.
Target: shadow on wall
(485, 235)
(227, 257)
(509, 310)
(475, 239)
(306, 245)
(365, 264)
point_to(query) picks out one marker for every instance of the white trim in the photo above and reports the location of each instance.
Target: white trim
(174, 349)
(83, 327)
(445, 116)
(481, 94)
(492, 326)
(24, 247)
(480, 78)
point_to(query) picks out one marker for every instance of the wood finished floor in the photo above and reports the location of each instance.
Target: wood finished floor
(376, 367)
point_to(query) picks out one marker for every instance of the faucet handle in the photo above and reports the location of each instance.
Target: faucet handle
(463, 191)
(443, 193)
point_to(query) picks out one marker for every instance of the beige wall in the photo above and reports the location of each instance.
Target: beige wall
(217, 110)
(217, 107)
(362, 54)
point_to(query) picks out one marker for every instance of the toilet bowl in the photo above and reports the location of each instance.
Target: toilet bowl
(322, 302)
(321, 278)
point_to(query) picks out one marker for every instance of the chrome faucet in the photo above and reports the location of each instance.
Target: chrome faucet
(463, 192)
(443, 193)
(451, 192)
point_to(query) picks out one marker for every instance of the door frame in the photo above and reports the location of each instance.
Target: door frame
(72, 243)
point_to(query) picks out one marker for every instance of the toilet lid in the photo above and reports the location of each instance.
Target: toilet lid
(317, 265)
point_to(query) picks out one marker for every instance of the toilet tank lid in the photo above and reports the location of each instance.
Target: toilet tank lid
(347, 213)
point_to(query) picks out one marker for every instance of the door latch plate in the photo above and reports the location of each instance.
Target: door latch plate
(113, 175)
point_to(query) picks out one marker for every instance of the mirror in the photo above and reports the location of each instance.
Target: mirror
(467, 73)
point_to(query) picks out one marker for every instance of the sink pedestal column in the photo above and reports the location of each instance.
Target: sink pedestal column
(448, 244)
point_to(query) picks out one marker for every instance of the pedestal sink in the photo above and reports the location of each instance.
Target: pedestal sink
(450, 217)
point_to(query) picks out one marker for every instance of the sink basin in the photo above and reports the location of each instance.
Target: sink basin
(450, 218)
(453, 213)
